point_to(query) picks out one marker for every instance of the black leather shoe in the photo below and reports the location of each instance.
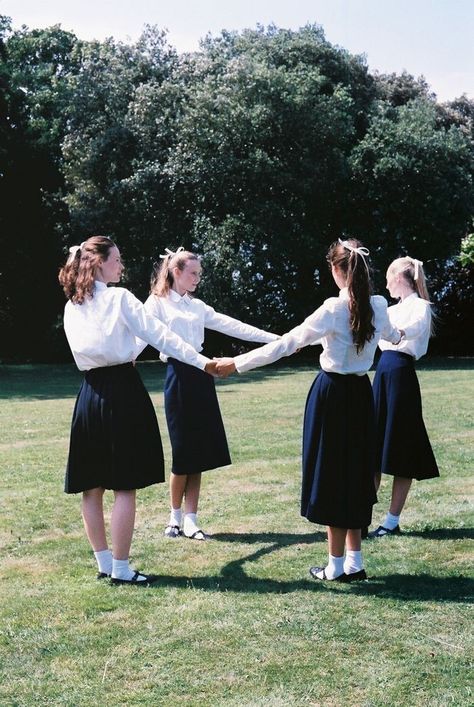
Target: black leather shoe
(381, 531)
(103, 575)
(149, 579)
(354, 576)
(314, 574)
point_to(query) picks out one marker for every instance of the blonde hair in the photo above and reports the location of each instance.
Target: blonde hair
(162, 279)
(413, 273)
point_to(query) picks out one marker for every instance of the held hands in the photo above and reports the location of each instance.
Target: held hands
(220, 367)
(211, 368)
(224, 367)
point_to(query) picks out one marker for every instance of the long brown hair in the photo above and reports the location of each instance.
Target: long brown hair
(162, 279)
(78, 273)
(354, 266)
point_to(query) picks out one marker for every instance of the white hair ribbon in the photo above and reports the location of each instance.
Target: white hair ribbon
(73, 250)
(170, 253)
(360, 250)
(417, 264)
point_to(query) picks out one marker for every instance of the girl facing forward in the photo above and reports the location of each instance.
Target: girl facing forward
(403, 449)
(197, 434)
(115, 441)
(338, 487)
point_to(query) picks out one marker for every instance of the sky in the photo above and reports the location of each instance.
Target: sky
(433, 38)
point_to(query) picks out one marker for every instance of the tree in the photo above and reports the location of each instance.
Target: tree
(412, 184)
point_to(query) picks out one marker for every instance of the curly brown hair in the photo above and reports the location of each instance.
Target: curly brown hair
(78, 273)
(355, 269)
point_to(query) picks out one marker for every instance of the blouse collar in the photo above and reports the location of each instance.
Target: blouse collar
(176, 297)
(99, 285)
(344, 293)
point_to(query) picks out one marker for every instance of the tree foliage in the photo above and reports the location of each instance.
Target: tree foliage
(257, 151)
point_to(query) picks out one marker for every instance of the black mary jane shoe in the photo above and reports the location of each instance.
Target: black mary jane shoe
(381, 531)
(359, 576)
(314, 574)
(149, 580)
(103, 575)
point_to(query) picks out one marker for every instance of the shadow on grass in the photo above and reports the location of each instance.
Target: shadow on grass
(441, 534)
(233, 577)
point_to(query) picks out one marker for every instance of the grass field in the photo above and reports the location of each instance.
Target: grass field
(237, 620)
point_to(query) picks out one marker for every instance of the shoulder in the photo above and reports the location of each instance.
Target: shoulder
(331, 304)
(379, 303)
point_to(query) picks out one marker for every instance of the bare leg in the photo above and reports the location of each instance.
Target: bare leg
(93, 517)
(353, 539)
(192, 491)
(336, 540)
(177, 488)
(400, 489)
(122, 523)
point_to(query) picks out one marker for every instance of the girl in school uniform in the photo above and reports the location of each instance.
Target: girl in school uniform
(403, 448)
(193, 416)
(338, 434)
(115, 441)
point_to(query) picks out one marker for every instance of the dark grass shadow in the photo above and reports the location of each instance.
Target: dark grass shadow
(441, 534)
(233, 576)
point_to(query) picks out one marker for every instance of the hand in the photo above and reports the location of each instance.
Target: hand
(211, 368)
(225, 366)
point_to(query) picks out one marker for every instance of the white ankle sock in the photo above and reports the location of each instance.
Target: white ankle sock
(104, 561)
(176, 516)
(353, 562)
(122, 570)
(190, 523)
(334, 568)
(391, 521)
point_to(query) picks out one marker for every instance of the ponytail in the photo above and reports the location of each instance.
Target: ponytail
(162, 279)
(350, 258)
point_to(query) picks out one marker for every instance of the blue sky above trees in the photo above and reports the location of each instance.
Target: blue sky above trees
(426, 37)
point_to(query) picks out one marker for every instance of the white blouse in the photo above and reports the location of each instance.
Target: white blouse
(413, 315)
(329, 325)
(188, 317)
(102, 330)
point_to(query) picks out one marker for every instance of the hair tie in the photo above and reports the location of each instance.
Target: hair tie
(360, 250)
(170, 253)
(417, 264)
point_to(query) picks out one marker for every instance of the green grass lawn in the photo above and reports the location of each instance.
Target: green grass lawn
(237, 620)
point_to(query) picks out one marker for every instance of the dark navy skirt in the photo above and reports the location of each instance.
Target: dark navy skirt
(338, 452)
(402, 444)
(115, 440)
(194, 420)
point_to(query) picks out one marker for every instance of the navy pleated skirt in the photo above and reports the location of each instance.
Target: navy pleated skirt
(115, 439)
(402, 444)
(338, 452)
(195, 426)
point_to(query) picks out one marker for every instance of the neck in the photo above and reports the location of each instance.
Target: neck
(179, 290)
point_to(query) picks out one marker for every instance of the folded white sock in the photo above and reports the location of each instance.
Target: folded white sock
(190, 525)
(122, 570)
(104, 561)
(334, 568)
(353, 561)
(391, 521)
(176, 516)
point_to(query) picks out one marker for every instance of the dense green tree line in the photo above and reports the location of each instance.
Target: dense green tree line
(257, 151)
